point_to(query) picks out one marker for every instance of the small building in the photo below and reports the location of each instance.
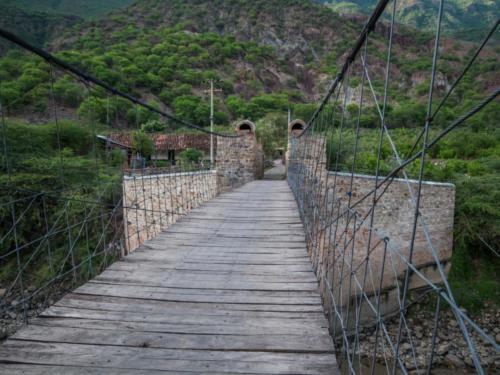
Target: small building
(167, 147)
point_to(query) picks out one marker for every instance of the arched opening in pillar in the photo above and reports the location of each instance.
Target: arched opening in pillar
(296, 127)
(245, 127)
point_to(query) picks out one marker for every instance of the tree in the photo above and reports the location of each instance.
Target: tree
(153, 126)
(303, 111)
(191, 155)
(190, 158)
(221, 118)
(185, 106)
(236, 106)
(142, 144)
(272, 132)
(140, 115)
(67, 92)
(9, 93)
(409, 114)
(191, 108)
(93, 108)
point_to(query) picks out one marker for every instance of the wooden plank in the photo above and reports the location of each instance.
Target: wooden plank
(101, 336)
(230, 240)
(257, 269)
(236, 259)
(213, 270)
(305, 266)
(176, 251)
(250, 329)
(165, 282)
(295, 324)
(172, 359)
(142, 305)
(41, 369)
(210, 275)
(201, 295)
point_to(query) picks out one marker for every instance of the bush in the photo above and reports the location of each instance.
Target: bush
(272, 132)
(191, 108)
(474, 274)
(190, 157)
(408, 115)
(142, 144)
(93, 109)
(153, 126)
(68, 93)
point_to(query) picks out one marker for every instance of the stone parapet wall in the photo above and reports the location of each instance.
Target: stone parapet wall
(152, 203)
(337, 222)
(393, 219)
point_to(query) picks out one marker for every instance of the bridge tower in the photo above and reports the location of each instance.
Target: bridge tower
(295, 127)
(239, 160)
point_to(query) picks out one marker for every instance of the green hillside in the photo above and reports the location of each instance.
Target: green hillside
(165, 51)
(466, 19)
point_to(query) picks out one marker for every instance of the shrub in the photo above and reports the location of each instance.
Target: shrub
(190, 157)
(142, 144)
(153, 126)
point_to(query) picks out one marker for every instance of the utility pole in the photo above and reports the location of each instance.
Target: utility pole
(211, 123)
(212, 90)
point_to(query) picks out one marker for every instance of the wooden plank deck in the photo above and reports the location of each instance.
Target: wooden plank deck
(228, 289)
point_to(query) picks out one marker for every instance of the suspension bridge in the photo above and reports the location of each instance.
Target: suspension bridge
(221, 268)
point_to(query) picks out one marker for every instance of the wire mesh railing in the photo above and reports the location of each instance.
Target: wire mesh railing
(74, 200)
(378, 233)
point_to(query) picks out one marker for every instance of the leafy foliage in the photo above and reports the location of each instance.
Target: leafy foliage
(272, 132)
(62, 161)
(168, 61)
(142, 143)
(153, 126)
(466, 19)
(190, 156)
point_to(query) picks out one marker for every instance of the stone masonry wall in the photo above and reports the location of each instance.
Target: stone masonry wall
(339, 251)
(153, 203)
(238, 161)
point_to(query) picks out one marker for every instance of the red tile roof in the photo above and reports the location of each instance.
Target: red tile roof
(165, 142)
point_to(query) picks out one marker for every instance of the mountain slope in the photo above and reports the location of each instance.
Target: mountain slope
(36, 27)
(81, 8)
(267, 55)
(303, 41)
(466, 19)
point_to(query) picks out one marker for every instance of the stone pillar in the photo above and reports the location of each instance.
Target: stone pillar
(294, 127)
(239, 160)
